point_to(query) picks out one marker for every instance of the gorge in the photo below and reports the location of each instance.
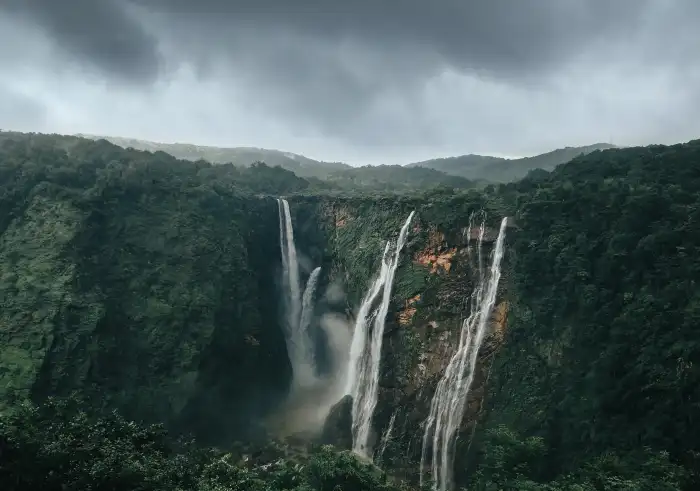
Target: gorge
(540, 334)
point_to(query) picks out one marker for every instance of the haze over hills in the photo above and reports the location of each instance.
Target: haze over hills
(500, 169)
(335, 175)
(472, 167)
(396, 178)
(242, 156)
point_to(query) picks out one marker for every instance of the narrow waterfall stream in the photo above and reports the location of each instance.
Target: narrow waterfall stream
(365, 352)
(448, 403)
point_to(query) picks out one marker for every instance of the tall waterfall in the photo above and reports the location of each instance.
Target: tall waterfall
(299, 342)
(449, 400)
(363, 369)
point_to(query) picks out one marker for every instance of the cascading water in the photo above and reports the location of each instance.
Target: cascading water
(449, 400)
(386, 437)
(359, 336)
(307, 311)
(307, 300)
(299, 342)
(290, 266)
(363, 369)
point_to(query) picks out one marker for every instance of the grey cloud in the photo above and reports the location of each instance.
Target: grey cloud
(371, 73)
(499, 38)
(103, 32)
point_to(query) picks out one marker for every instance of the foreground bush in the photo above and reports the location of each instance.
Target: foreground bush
(58, 446)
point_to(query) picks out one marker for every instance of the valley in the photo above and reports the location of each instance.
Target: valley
(533, 332)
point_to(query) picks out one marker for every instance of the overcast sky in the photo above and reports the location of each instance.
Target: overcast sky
(363, 81)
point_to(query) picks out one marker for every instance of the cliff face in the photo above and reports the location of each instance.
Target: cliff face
(148, 301)
(431, 290)
(165, 306)
(150, 285)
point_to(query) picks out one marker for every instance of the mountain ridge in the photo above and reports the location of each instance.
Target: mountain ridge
(242, 156)
(470, 166)
(502, 169)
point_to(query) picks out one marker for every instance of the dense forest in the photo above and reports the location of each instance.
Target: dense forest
(500, 169)
(599, 370)
(240, 156)
(476, 168)
(135, 315)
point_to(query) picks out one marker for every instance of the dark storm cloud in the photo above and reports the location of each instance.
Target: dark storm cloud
(503, 38)
(500, 37)
(100, 31)
(511, 76)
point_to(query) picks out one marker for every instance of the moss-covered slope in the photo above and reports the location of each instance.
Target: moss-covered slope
(139, 285)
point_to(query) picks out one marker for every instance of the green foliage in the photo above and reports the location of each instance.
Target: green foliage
(602, 352)
(511, 463)
(328, 471)
(507, 458)
(239, 156)
(138, 278)
(395, 178)
(499, 169)
(28, 159)
(59, 446)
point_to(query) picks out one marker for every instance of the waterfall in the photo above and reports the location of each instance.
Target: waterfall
(307, 311)
(359, 336)
(299, 342)
(290, 266)
(386, 437)
(363, 369)
(449, 400)
(307, 300)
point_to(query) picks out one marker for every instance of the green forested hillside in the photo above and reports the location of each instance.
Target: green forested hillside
(602, 349)
(498, 169)
(240, 156)
(135, 282)
(393, 179)
(123, 274)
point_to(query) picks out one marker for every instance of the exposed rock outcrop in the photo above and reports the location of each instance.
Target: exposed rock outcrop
(337, 429)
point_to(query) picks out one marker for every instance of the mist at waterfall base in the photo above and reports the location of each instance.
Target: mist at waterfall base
(306, 409)
(317, 344)
(362, 381)
(449, 401)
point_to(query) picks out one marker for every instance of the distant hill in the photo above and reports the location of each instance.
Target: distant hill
(276, 176)
(499, 169)
(241, 156)
(396, 178)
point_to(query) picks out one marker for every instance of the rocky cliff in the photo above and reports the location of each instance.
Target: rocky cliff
(150, 302)
(429, 303)
(164, 304)
(151, 286)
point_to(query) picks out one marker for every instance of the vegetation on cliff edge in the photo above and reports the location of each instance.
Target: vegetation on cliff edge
(157, 273)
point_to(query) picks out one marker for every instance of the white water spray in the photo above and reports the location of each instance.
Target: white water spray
(299, 341)
(363, 369)
(449, 400)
